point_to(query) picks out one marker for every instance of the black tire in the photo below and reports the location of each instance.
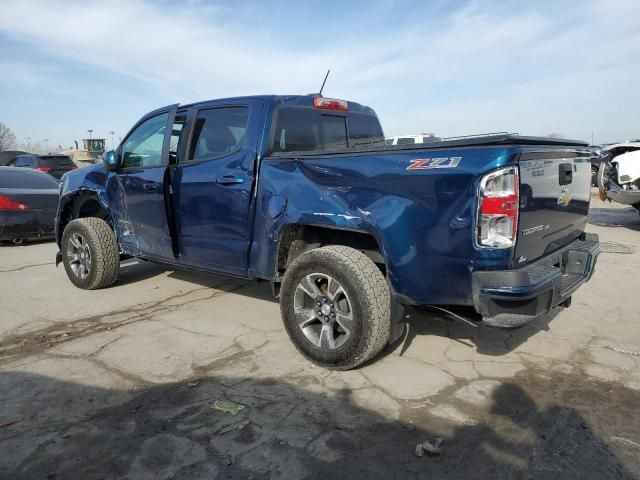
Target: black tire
(104, 259)
(368, 297)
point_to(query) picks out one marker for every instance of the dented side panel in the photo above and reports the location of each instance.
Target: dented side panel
(422, 218)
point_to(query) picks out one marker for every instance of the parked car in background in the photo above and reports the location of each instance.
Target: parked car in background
(411, 139)
(8, 156)
(54, 165)
(598, 155)
(619, 174)
(300, 191)
(28, 203)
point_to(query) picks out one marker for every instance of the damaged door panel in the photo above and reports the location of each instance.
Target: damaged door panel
(137, 188)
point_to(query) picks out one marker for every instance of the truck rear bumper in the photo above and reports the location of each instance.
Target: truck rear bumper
(512, 298)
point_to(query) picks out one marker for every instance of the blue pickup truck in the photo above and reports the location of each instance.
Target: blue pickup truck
(302, 192)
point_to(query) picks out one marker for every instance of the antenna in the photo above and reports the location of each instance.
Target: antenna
(325, 81)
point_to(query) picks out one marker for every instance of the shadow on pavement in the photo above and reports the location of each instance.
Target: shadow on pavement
(38, 241)
(423, 321)
(68, 430)
(486, 340)
(615, 217)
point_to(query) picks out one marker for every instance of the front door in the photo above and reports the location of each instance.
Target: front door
(137, 189)
(213, 187)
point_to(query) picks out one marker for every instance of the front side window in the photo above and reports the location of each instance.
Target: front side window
(143, 148)
(218, 132)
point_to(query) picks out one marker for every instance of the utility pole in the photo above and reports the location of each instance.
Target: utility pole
(90, 132)
(111, 132)
(28, 139)
(46, 141)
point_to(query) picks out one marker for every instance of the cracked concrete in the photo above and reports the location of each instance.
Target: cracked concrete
(118, 383)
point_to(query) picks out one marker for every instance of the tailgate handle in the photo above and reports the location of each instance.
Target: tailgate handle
(565, 173)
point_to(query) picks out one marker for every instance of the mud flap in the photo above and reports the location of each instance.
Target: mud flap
(58, 258)
(398, 321)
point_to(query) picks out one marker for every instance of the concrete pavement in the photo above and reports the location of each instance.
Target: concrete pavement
(119, 383)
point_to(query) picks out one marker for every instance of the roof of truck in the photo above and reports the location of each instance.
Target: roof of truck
(294, 100)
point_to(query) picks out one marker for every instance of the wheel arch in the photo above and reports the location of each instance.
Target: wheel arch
(297, 238)
(80, 204)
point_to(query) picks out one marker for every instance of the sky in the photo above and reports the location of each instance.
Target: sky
(443, 66)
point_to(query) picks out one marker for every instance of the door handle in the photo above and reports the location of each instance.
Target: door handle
(230, 180)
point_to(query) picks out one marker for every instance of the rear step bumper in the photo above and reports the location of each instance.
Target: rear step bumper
(512, 298)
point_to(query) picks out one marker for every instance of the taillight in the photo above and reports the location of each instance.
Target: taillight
(330, 104)
(44, 169)
(74, 167)
(7, 204)
(498, 209)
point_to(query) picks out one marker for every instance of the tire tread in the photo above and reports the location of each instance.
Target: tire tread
(106, 261)
(376, 302)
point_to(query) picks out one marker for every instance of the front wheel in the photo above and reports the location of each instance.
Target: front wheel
(335, 305)
(90, 253)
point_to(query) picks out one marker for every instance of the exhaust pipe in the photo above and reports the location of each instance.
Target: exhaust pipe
(18, 241)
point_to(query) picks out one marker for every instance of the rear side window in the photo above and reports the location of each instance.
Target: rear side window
(364, 130)
(26, 162)
(27, 180)
(218, 132)
(302, 129)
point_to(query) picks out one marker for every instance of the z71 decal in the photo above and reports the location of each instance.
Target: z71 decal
(429, 163)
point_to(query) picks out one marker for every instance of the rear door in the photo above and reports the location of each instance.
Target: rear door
(138, 188)
(555, 188)
(213, 185)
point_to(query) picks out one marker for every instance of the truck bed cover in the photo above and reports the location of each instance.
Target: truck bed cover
(507, 139)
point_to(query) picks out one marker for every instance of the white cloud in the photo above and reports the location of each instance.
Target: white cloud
(524, 67)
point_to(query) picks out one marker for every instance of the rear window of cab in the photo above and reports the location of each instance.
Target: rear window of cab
(304, 129)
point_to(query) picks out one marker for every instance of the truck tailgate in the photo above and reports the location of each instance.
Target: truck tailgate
(555, 189)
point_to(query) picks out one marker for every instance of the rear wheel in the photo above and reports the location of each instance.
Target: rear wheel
(90, 253)
(335, 305)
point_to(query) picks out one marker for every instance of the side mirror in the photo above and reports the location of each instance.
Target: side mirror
(109, 160)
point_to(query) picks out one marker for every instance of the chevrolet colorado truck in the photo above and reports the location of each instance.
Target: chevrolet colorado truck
(301, 191)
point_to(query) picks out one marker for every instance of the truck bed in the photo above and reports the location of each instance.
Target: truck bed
(506, 139)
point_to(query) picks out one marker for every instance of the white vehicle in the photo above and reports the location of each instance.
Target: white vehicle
(619, 177)
(411, 139)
